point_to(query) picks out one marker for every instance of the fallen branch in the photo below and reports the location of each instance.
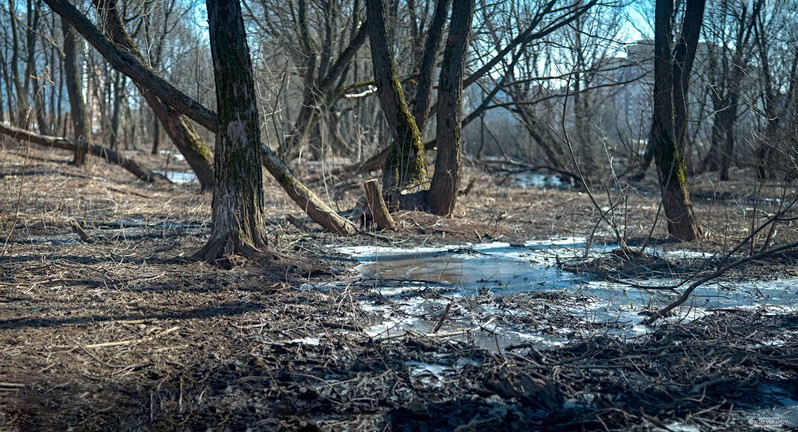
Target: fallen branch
(308, 201)
(110, 156)
(77, 229)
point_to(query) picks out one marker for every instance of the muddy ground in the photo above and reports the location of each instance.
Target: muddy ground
(127, 332)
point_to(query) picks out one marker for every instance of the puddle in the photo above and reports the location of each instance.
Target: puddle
(470, 269)
(529, 179)
(178, 176)
(174, 154)
(502, 296)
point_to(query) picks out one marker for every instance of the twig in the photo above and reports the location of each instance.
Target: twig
(132, 341)
(443, 318)
(77, 229)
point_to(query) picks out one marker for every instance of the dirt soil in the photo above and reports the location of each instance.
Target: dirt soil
(123, 330)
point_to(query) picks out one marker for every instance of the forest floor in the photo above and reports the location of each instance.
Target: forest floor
(125, 331)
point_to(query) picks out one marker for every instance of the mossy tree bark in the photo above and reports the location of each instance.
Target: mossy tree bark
(406, 166)
(187, 141)
(669, 129)
(81, 129)
(238, 221)
(443, 189)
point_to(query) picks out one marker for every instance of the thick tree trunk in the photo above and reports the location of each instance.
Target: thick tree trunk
(80, 121)
(239, 227)
(406, 166)
(111, 156)
(445, 181)
(670, 121)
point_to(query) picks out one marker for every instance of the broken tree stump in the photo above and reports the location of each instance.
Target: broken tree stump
(379, 211)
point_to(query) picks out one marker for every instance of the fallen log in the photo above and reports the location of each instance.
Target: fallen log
(110, 156)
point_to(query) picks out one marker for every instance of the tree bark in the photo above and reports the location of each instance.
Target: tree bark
(110, 155)
(443, 189)
(119, 97)
(239, 226)
(406, 166)
(669, 124)
(81, 129)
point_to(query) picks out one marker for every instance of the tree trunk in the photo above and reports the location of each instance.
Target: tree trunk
(30, 69)
(119, 97)
(443, 189)
(239, 227)
(406, 166)
(81, 128)
(156, 136)
(111, 156)
(22, 89)
(669, 124)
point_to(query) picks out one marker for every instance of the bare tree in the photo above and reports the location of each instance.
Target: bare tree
(239, 226)
(445, 180)
(406, 166)
(81, 127)
(669, 131)
(179, 129)
(729, 51)
(778, 87)
(129, 64)
(321, 39)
